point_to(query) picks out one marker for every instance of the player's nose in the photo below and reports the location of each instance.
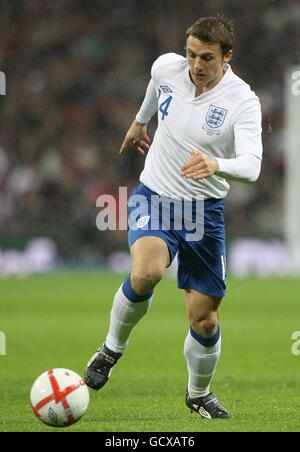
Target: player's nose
(198, 64)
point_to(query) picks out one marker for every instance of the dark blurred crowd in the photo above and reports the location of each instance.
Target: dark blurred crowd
(76, 74)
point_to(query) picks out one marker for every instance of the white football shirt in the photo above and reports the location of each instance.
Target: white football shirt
(224, 122)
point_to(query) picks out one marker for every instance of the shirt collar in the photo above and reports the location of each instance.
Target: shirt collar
(192, 87)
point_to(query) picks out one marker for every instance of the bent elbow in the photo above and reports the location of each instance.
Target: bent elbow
(255, 173)
(253, 177)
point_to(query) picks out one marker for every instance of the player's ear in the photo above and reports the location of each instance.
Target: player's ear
(228, 56)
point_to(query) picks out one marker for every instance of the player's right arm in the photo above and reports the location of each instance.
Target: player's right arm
(136, 137)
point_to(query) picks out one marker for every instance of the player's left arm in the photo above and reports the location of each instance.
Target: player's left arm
(246, 165)
(200, 166)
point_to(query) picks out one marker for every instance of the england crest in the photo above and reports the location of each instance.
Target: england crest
(215, 116)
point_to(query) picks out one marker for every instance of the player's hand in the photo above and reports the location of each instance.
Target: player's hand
(200, 166)
(136, 138)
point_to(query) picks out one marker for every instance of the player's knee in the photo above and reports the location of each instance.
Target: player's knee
(205, 327)
(145, 280)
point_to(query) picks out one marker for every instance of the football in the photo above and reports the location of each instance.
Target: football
(59, 397)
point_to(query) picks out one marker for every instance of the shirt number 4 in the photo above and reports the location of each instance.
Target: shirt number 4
(164, 107)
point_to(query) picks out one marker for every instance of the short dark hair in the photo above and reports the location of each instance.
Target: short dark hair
(214, 30)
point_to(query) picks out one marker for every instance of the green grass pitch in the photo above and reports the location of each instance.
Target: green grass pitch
(58, 320)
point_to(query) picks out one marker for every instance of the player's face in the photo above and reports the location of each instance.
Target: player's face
(206, 61)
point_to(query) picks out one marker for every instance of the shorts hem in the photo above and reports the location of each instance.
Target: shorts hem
(221, 294)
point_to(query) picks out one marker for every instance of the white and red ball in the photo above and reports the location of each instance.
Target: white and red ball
(59, 397)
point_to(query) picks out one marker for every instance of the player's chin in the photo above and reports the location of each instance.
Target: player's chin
(200, 78)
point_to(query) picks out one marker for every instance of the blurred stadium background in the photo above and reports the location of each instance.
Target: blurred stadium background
(76, 73)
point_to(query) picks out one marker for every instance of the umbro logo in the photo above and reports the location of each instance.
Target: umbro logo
(201, 411)
(166, 89)
(52, 415)
(204, 413)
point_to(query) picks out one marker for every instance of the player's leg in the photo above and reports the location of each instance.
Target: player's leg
(202, 274)
(150, 257)
(203, 342)
(202, 350)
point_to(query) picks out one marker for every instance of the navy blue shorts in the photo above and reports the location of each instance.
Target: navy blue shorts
(201, 251)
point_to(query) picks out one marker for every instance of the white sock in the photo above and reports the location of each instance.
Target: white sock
(125, 314)
(202, 363)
